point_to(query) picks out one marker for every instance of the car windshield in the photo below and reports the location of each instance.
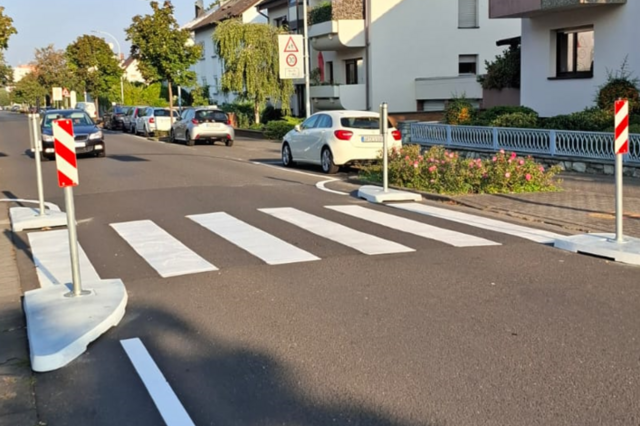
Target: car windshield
(165, 113)
(78, 118)
(361, 122)
(120, 110)
(208, 115)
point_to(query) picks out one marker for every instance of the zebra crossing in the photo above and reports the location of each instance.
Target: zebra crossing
(171, 257)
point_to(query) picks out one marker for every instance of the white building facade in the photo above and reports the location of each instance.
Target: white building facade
(209, 68)
(569, 47)
(413, 54)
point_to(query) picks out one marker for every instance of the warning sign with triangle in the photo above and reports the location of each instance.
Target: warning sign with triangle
(291, 46)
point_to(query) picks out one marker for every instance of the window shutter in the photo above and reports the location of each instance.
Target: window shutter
(433, 105)
(467, 13)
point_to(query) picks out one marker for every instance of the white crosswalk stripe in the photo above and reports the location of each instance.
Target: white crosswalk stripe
(161, 250)
(263, 245)
(456, 239)
(360, 241)
(532, 234)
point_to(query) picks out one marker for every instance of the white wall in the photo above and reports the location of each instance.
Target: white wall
(420, 39)
(616, 33)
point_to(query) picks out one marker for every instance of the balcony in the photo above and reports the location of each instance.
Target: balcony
(435, 88)
(337, 26)
(345, 96)
(532, 8)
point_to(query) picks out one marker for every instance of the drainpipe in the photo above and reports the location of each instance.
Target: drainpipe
(367, 37)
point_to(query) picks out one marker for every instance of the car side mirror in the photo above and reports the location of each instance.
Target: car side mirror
(297, 128)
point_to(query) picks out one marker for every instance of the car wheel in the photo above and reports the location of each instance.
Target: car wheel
(101, 154)
(44, 157)
(172, 136)
(146, 132)
(287, 158)
(190, 142)
(229, 142)
(328, 166)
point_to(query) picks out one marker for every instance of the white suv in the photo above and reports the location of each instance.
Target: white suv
(203, 124)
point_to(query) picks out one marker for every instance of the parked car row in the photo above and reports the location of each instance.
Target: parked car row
(194, 124)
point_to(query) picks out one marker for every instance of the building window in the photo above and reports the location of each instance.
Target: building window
(354, 71)
(468, 64)
(281, 22)
(328, 72)
(468, 14)
(574, 51)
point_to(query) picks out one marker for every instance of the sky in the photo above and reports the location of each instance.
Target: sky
(60, 22)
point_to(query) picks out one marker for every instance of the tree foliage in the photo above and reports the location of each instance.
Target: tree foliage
(6, 72)
(6, 29)
(28, 90)
(164, 51)
(503, 72)
(52, 70)
(92, 61)
(250, 55)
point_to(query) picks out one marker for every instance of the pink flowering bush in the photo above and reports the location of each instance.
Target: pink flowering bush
(445, 172)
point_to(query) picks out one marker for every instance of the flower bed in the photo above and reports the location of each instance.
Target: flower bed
(443, 172)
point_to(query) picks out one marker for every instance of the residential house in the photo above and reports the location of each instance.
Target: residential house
(210, 68)
(413, 54)
(131, 72)
(21, 71)
(569, 47)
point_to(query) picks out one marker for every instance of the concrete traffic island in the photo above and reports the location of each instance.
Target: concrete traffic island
(24, 218)
(60, 327)
(603, 245)
(377, 194)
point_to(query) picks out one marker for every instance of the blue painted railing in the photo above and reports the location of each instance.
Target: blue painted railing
(560, 143)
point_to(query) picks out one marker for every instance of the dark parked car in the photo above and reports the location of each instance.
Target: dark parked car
(89, 138)
(114, 119)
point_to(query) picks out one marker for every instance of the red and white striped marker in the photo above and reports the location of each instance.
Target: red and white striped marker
(65, 147)
(622, 127)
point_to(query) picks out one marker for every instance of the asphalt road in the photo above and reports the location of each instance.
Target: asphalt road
(513, 334)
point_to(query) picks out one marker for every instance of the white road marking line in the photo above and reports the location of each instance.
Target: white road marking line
(456, 239)
(532, 234)
(166, 401)
(321, 187)
(50, 251)
(364, 243)
(286, 170)
(263, 245)
(161, 250)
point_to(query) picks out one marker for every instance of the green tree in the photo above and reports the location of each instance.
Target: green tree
(28, 90)
(93, 63)
(6, 72)
(164, 51)
(250, 55)
(5, 98)
(6, 29)
(52, 70)
(200, 95)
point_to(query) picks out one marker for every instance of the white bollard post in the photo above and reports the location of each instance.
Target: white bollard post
(73, 244)
(37, 152)
(384, 129)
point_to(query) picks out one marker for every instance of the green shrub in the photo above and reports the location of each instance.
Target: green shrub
(243, 112)
(633, 128)
(270, 113)
(459, 111)
(443, 172)
(516, 119)
(589, 120)
(321, 13)
(503, 72)
(276, 130)
(619, 85)
(486, 117)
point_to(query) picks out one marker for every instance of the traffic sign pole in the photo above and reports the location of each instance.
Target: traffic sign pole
(66, 163)
(306, 59)
(621, 147)
(384, 129)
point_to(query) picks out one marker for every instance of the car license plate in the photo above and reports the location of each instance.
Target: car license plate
(80, 144)
(374, 138)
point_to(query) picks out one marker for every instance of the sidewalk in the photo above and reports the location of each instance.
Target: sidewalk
(17, 400)
(586, 204)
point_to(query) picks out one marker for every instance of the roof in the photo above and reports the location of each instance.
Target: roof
(231, 9)
(266, 4)
(128, 62)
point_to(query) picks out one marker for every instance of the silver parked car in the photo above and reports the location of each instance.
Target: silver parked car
(203, 124)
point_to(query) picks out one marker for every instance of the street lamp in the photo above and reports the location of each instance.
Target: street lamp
(119, 58)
